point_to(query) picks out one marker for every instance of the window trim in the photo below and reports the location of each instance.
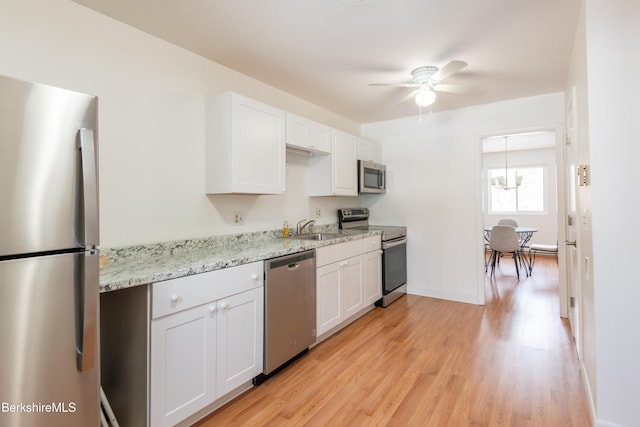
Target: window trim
(545, 190)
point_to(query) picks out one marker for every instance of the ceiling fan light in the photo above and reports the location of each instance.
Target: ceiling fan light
(425, 97)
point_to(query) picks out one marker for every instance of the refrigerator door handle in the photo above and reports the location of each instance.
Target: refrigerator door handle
(87, 146)
(86, 346)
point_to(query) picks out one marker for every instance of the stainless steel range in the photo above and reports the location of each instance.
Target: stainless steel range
(394, 251)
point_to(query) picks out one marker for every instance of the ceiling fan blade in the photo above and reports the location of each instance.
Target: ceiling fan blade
(410, 96)
(447, 70)
(394, 84)
(459, 89)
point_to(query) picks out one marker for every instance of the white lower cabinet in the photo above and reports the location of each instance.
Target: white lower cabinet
(329, 297)
(240, 337)
(200, 353)
(347, 281)
(183, 364)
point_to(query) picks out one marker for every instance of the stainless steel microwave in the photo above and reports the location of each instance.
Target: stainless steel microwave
(372, 178)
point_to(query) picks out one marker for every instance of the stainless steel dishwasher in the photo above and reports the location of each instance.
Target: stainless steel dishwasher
(290, 308)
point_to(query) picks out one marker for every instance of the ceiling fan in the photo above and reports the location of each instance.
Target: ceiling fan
(427, 80)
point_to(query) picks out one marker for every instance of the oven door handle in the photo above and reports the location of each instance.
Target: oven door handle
(391, 244)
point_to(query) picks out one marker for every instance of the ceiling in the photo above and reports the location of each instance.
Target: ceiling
(328, 51)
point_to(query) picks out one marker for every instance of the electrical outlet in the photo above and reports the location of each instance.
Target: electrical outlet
(318, 213)
(238, 218)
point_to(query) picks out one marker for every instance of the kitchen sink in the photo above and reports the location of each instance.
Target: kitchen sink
(316, 236)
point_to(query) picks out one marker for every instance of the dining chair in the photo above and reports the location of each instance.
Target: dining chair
(538, 248)
(508, 221)
(505, 240)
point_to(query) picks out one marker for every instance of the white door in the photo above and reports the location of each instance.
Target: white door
(372, 276)
(240, 332)
(328, 297)
(258, 147)
(182, 364)
(571, 224)
(352, 286)
(344, 180)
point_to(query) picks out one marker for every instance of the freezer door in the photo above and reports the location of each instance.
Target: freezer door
(42, 333)
(41, 175)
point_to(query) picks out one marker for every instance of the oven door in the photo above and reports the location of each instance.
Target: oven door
(394, 264)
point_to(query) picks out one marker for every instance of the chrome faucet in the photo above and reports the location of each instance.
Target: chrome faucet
(302, 225)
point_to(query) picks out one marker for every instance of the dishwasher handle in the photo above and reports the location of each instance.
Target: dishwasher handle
(290, 260)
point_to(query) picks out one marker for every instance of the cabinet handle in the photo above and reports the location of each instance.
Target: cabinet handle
(225, 306)
(174, 298)
(254, 277)
(212, 309)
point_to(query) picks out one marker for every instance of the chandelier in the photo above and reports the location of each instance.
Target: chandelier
(502, 182)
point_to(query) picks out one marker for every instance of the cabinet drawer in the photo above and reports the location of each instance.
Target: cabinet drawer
(372, 243)
(338, 252)
(180, 294)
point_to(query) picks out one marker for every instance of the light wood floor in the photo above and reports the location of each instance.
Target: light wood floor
(428, 362)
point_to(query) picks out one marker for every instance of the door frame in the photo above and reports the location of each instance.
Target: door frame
(573, 274)
(559, 130)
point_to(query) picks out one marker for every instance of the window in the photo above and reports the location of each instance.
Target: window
(528, 198)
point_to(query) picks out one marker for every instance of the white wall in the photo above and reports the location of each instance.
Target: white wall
(151, 112)
(611, 86)
(546, 222)
(435, 169)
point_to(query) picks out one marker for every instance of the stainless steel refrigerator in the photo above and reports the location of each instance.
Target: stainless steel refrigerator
(49, 284)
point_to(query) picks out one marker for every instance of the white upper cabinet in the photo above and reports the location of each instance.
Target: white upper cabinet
(245, 146)
(306, 136)
(335, 175)
(344, 165)
(369, 151)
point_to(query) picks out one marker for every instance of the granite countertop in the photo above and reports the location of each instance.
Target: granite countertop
(145, 264)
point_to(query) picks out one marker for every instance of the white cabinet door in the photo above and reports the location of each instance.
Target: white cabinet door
(328, 297)
(320, 137)
(183, 365)
(344, 165)
(372, 276)
(240, 339)
(307, 135)
(245, 146)
(339, 292)
(369, 151)
(352, 286)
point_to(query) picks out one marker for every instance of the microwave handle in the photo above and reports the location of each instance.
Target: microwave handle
(382, 178)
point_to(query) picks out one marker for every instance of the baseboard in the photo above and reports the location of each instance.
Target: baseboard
(587, 391)
(450, 296)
